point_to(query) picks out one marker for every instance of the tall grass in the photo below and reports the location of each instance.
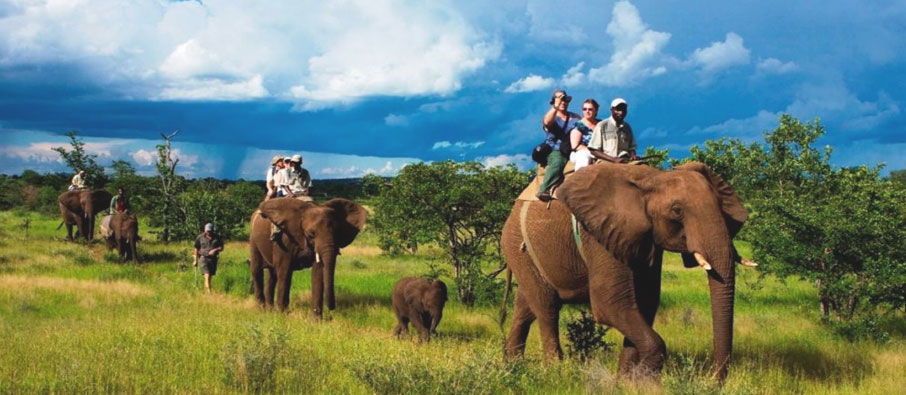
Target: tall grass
(72, 321)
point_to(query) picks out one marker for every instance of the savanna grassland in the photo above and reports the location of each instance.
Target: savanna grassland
(73, 320)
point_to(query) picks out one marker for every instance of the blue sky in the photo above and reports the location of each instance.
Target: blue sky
(367, 86)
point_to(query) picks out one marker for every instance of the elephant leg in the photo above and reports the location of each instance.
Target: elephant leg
(402, 326)
(613, 300)
(317, 288)
(271, 287)
(418, 321)
(284, 281)
(257, 271)
(522, 322)
(648, 297)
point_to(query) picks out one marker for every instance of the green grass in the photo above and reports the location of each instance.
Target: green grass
(73, 320)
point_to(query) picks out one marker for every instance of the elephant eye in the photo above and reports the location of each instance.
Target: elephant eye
(676, 212)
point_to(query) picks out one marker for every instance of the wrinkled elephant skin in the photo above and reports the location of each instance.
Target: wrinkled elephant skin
(627, 216)
(79, 208)
(308, 231)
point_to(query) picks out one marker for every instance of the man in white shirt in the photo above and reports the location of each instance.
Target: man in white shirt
(612, 139)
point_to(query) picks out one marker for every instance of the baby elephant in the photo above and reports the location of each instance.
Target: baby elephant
(421, 301)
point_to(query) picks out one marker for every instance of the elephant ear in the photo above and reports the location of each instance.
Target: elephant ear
(284, 211)
(351, 219)
(735, 214)
(608, 201)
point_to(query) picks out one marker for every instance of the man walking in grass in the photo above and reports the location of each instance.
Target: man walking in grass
(208, 247)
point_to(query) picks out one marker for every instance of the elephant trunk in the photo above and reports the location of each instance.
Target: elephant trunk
(715, 247)
(329, 259)
(721, 280)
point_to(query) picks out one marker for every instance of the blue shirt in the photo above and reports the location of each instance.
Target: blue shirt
(566, 126)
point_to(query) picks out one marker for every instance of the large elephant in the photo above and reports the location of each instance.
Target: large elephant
(611, 255)
(311, 236)
(79, 208)
(122, 234)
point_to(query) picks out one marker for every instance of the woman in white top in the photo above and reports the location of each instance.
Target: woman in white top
(579, 136)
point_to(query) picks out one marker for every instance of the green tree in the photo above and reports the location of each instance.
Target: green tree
(207, 201)
(245, 196)
(171, 185)
(461, 207)
(77, 159)
(838, 228)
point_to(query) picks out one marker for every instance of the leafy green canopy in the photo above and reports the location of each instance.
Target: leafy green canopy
(842, 228)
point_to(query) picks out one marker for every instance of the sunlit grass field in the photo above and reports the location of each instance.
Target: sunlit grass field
(73, 320)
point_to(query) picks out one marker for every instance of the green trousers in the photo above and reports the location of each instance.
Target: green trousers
(553, 174)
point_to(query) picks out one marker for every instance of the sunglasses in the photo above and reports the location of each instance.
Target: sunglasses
(588, 109)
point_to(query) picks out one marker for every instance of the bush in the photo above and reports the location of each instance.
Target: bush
(586, 338)
(249, 361)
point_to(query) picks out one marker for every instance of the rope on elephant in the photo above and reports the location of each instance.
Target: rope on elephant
(523, 214)
(578, 237)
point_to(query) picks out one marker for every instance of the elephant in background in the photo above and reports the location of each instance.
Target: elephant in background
(79, 208)
(122, 234)
(420, 301)
(311, 235)
(625, 216)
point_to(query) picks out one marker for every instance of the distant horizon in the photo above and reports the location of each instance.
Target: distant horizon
(399, 82)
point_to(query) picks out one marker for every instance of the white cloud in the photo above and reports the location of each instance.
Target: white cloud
(457, 145)
(775, 66)
(387, 169)
(396, 120)
(342, 171)
(522, 161)
(441, 144)
(312, 51)
(637, 49)
(749, 129)
(184, 158)
(144, 158)
(215, 89)
(531, 83)
(721, 55)
(574, 76)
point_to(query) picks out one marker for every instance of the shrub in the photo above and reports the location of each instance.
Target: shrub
(586, 338)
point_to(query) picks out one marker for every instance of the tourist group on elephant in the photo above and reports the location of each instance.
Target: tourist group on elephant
(591, 228)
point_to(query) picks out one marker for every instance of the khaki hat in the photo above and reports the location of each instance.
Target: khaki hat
(617, 102)
(276, 158)
(297, 158)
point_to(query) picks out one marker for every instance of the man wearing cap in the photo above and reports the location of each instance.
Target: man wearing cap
(78, 181)
(208, 247)
(276, 166)
(612, 139)
(297, 181)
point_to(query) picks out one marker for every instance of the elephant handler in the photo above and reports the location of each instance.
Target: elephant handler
(612, 138)
(119, 203)
(297, 180)
(557, 123)
(208, 247)
(78, 181)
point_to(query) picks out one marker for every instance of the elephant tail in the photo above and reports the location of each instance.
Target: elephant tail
(60, 225)
(506, 297)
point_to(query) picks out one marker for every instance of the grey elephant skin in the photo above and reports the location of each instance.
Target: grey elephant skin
(421, 302)
(627, 216)
(79, 208)
(308, 231)
(124, 236)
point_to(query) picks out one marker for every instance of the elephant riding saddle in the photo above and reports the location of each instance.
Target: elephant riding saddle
(531, 191)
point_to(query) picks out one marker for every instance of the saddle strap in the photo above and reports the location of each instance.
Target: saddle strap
(523, 215)
(577, 236)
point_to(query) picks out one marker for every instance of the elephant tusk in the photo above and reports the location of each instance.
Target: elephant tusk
(747, 263)
(317, 257)
(702, 261)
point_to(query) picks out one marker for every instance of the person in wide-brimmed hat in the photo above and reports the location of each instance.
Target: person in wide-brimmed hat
(272, 183)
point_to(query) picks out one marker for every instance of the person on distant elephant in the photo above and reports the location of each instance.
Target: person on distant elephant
(119, 203)
(78, 181)
(556, 123)
(612, 139)
(208, 247)
(581, 134)
(298, 180)
(275, 167)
